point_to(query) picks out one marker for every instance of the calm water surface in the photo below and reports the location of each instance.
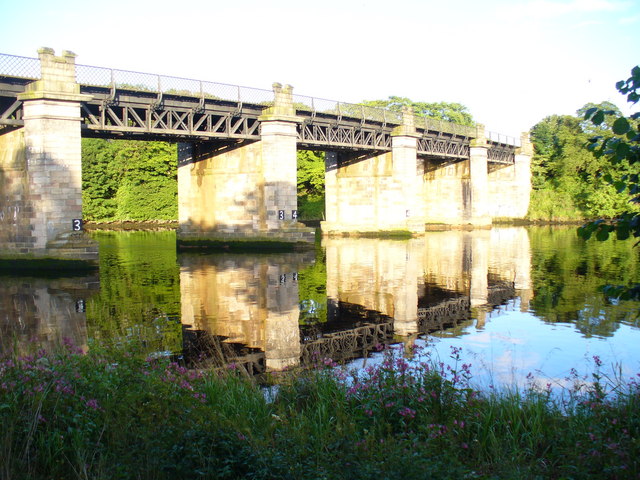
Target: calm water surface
(514, 300)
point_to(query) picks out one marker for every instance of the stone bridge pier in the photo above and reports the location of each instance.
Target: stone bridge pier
(374, 193)
(40, 169)
(401, 190)
(247, 189)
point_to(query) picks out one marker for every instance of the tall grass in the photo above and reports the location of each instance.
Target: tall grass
(115, 414)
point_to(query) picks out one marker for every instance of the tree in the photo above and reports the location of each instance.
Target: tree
(99, 185)
(310, 173)
(620, 148)
(129, 180)
(148, 188)
(450, 112)
(566, 176)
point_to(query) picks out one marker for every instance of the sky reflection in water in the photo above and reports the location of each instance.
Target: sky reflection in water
(513, 345)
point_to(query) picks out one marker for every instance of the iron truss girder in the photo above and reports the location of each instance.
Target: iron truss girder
(11, 112)
(11, 109)
(501, 153)
(443, 146)
(323, 135)
(170, 121)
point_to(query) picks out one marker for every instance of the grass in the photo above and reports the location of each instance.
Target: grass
(114, 414)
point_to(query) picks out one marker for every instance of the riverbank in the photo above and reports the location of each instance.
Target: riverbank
(113, 414)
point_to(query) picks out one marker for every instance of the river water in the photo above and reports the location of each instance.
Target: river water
(514, 302)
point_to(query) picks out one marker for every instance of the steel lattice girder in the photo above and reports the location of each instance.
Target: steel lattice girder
(11, 112)
(499, 153)
(142, 113)
(10, 107)
(169, 120)
(331, 134)
(149, 114)
(441, 146)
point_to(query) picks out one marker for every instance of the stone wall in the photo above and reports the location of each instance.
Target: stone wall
(220, 191)
(510, 188)
(42, 167)
(15, 207)
(362, 195)
(399, 191)
(446, 192)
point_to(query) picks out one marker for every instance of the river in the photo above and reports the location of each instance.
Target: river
(514, 302)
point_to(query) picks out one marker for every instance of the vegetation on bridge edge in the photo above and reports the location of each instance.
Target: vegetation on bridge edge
(112, 413)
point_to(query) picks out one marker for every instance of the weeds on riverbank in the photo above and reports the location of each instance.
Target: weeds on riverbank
(113, 414)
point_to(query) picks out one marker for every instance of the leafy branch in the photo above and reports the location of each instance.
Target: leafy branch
(621, 148)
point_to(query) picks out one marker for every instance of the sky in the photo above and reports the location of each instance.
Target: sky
(510, 62)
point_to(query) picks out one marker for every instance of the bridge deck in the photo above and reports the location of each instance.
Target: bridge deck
(139, 105)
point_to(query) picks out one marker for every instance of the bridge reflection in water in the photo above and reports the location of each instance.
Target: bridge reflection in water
(246, 310)
(44, 312)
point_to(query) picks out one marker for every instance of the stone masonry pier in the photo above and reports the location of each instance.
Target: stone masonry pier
(404, 190)
(40, 169)
(247, 190)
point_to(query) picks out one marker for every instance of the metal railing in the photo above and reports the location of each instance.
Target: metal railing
(21, 67)
(342, 109)
(29, 68)
(147, 82)
(507, 140)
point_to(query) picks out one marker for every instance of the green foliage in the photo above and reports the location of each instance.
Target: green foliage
(310, 173)
(139, 293)
(619, 146)
(549, 204)
(450, 112)
(113, 413)
(569, 181)
(312, 290)
(129, 180)
(311, 207)
(311, 170)
(566, 272)
(99, 182)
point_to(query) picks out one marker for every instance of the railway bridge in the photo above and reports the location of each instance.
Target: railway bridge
(237, 147)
